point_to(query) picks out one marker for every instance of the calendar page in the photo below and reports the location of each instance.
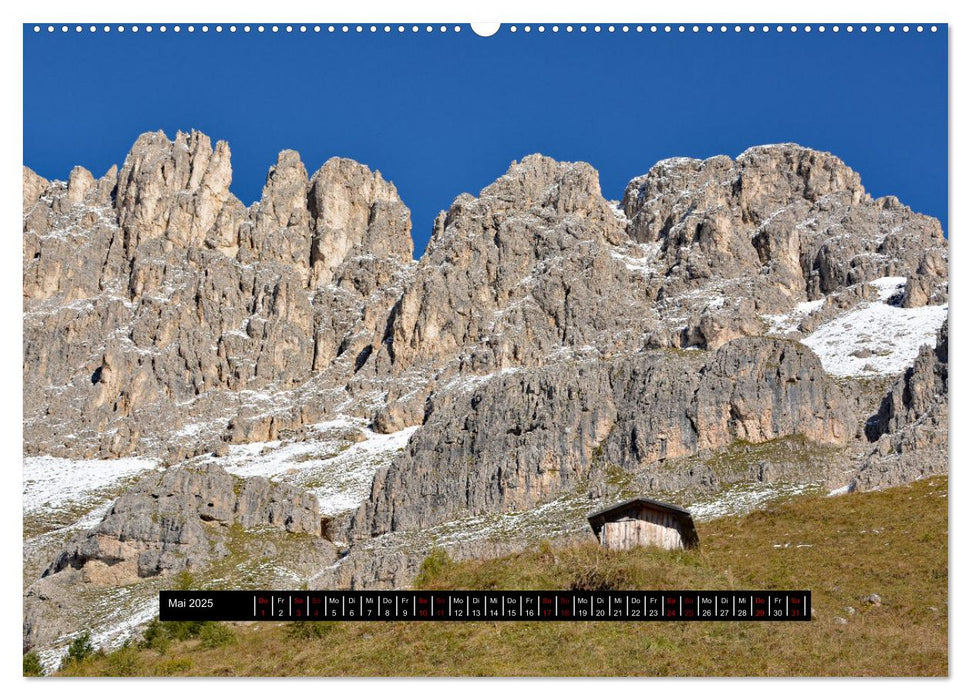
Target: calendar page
(519, 349)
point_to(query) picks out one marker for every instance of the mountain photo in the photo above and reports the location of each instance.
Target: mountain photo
(404, 366)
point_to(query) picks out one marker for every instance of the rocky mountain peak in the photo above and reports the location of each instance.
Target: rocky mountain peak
(284, 198)
(80, 181)
(778, 174)
(542, 182)
(173, 189)
(503, 257)
(757, 184)
(355, 212)
(34, 186)
(183, 292)
(277, 229)
(798, 216)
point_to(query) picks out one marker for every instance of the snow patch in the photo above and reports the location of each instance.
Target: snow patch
(783, 324)
(887, 287)
(337, 465)
(118, 629)
(804, 308)
(54, 482)
(876, 338)
(745, 498)
(617, 209)
(190, 430)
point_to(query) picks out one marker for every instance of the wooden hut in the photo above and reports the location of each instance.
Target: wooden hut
(643, 522)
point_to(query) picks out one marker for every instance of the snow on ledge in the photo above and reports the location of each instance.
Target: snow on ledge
(52, 483)
(876, 338)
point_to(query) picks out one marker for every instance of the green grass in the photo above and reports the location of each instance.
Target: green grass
(792, 455)
(32, 664)
(892, 542)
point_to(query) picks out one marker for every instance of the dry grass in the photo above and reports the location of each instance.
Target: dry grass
(893, 543)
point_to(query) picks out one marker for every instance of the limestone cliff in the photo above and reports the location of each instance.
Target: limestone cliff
(154, 300)
(910, 429)
(521, 438)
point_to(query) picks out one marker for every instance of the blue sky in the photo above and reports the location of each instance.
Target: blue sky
(440, 114)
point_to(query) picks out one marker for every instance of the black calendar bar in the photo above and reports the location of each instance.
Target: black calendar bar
(453, 606)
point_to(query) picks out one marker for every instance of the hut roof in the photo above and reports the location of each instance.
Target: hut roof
(605, 513)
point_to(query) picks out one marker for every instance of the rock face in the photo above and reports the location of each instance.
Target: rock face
(172, 191)
(696, 254)
(177, 520)
(513, 277)
(153, 298)
(180, 520)
(521, 438)
(910, 431)
(798, 217)
(541, 218)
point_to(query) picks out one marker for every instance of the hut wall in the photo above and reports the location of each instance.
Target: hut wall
(648, 529)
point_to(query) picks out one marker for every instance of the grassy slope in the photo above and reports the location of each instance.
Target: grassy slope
(893, 543)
